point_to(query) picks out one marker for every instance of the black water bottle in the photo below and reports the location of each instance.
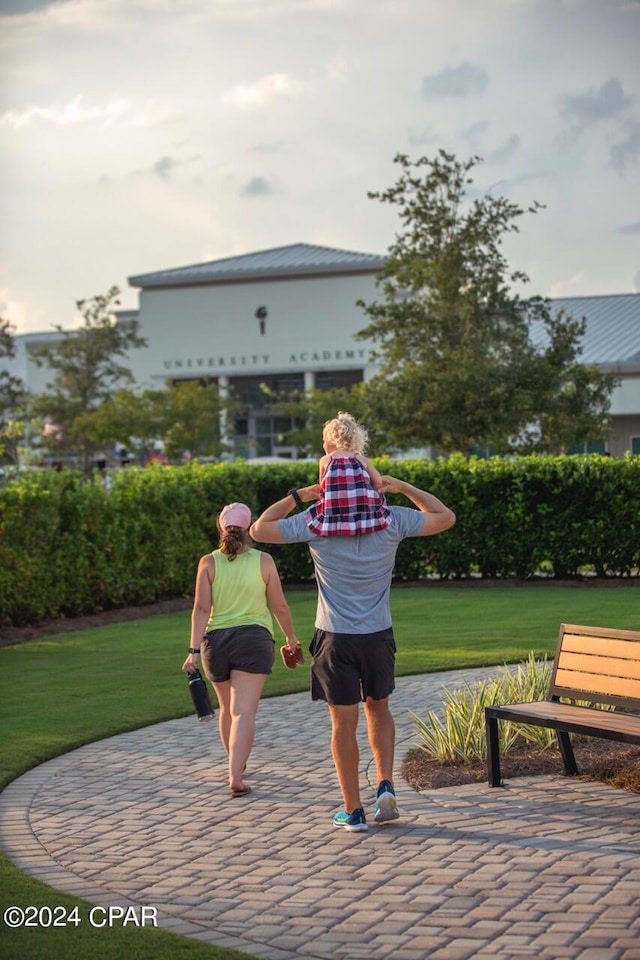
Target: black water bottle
(200, 696)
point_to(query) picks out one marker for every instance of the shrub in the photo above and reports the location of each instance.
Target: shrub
(67, 549)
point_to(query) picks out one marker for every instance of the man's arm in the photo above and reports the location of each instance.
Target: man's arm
(266, 529)
(437, 516)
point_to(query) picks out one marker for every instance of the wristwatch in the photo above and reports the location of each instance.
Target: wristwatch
(296, 496)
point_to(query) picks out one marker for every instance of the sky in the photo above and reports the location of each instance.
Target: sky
(139, 135)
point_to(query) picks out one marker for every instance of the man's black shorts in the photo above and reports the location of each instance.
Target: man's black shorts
(249, 648)
(350, 667)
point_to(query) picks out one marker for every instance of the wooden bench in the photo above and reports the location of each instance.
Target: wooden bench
(594, 664)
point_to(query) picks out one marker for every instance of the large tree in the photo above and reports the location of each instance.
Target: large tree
(570, 399)
(12, 399)
(86, 368)
(457, 365)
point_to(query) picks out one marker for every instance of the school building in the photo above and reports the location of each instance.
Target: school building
(285, 319)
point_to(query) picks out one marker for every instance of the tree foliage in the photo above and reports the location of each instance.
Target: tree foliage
(12, 399)
(457, 364)
(190, 418)
(86, 367)
(183, 417)
(574, 397)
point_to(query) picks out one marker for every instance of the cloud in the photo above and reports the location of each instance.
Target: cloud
(338, 68)
(508, 184)
(273, 147)
(629, 228)
(117, 112)
(475, 130)
(585, 109)
(94, 15)
(626, 151)
(24, 315)
(19, 7)
(257, 187)
(419, 138)
(564, 288)
(165, 167)
(456, 81)
(247, 95)
(506, 151)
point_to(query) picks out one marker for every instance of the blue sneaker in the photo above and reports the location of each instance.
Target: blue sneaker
(386, 806)
(354, 822)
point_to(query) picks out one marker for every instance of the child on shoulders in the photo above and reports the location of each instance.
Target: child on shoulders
(350, 502)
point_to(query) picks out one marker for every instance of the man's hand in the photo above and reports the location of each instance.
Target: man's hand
(438, 517)
(390, 485)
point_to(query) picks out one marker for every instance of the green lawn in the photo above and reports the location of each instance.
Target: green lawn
(65, 690)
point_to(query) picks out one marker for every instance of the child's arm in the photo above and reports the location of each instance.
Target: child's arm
(374, 476)
(323, 463)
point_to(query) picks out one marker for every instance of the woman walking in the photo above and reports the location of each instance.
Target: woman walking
(237, 589)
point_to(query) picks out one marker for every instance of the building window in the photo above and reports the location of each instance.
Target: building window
(338, 379)
(256, 393)
(260, 433)
(635, 446)
(590, 446)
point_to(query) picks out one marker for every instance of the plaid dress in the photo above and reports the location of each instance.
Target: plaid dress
(348, 504)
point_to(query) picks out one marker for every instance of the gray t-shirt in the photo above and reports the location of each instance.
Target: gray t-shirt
(353, 574)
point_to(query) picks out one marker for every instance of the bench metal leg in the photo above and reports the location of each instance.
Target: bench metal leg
(568, 756)
(493, 752)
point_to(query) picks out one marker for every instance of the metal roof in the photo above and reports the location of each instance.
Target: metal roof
(612, 334)
(294, 260)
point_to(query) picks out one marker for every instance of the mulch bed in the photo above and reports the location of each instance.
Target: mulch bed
(617, 764)
(11, 635)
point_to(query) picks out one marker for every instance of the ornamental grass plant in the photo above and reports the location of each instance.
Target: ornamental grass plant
(457, 735)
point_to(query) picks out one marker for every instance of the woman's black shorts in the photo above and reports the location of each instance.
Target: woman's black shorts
(249, 648)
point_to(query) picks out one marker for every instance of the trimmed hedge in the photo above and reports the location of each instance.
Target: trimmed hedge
(66, 549)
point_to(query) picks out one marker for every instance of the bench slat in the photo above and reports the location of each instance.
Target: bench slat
(604, 646)
(592, 683)
(604, 666)
(586, 717)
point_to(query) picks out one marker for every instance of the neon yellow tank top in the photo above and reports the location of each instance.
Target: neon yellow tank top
(238, 592)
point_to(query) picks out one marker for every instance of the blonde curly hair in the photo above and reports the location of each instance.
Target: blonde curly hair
(345, 433)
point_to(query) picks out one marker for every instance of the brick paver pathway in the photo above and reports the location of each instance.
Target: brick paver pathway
(546, 868)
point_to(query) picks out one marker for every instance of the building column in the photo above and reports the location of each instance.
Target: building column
(223, 392)
(309, 379)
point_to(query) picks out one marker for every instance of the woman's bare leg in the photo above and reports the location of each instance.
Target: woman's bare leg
(246, 689)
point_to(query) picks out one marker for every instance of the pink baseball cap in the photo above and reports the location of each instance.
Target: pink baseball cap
(235, 515)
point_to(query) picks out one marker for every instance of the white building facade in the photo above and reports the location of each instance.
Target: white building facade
(281, 320)
(286, 319)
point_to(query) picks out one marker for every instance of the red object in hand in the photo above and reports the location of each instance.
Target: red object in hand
(291, 658)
